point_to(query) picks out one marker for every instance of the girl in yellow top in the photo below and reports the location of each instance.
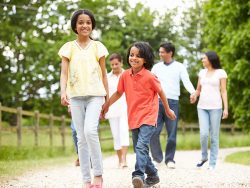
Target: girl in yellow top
(84, 87)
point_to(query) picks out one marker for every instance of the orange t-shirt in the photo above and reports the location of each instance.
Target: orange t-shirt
(141, 92)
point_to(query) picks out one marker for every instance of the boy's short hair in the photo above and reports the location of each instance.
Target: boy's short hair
(145, 51)
(75, 17)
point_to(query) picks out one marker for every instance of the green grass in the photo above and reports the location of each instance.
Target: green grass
(9, 138)
(239, 158)
(191, 141)
(11, 169)
(14, 161)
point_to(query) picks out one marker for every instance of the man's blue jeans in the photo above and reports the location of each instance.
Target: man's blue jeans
(171, 126)
(209, 120)
(141, 138)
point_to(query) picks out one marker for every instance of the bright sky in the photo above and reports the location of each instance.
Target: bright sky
(163, 5)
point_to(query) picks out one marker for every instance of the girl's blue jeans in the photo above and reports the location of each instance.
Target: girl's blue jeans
(85, 112)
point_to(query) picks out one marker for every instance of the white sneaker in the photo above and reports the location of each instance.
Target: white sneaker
(211, 168)
(156, 164)
(171, 165)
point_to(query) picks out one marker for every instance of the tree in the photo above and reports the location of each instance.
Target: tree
(191, 43)
(227, 32)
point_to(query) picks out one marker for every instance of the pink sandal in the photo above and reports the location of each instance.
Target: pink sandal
(96, 186)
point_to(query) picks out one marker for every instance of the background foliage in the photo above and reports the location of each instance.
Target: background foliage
(32, 31)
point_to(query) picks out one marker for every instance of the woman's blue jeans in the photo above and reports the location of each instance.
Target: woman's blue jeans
(209, 120)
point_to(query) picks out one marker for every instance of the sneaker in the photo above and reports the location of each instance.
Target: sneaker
(151, 181)
(171, 165)
(137, 182)
(211, 168)
(201, 163)
(156, 164)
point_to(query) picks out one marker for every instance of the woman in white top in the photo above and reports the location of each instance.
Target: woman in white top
(212, 90)
(117, 114)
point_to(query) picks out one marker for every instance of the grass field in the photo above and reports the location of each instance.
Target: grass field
(16, 160)
(239, 157)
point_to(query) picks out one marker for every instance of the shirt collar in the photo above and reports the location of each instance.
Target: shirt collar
(112, 74)
(138, 73)
(167, 64)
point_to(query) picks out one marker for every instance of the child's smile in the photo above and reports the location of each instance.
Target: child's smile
(84, 25)
(135, 60)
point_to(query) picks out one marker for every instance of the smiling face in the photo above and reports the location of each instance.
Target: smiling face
(116, 66)
(205, 61)
(165, 56)
(84, 25)
(135, 60)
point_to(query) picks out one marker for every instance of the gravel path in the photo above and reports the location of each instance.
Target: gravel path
(185, 175)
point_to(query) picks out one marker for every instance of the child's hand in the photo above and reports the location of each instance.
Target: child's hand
(171, 115)
(105, 108)
(64, 99)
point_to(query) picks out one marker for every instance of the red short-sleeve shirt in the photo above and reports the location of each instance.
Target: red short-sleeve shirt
(141, 92)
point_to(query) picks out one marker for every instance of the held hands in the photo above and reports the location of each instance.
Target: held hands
(193, 98)
(64, 99)
(225, 114)
(105, 108)
(171, 115)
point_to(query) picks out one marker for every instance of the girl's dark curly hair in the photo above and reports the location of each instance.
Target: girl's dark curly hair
(145, 51)
(75, 17)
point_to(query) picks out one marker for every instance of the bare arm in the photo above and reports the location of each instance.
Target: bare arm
(170, 113)
(111, 101)
(104, 76)
(63, 81)
(223, 85)
(198, 89)
(197, 92)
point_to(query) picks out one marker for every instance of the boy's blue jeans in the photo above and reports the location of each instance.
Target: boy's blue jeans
(141, 138)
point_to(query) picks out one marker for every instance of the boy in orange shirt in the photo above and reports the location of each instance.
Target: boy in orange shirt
(141, 88)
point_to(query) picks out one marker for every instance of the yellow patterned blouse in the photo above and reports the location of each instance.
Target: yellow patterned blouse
(84, 74)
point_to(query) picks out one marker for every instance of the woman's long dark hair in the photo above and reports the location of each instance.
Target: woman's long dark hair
(214, 59)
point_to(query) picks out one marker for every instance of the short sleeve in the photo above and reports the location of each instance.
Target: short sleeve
(201, 73)
(120, 86)
(222, 73)
(101, 50)
(153, 69)
(65, 50)
(156, 85)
